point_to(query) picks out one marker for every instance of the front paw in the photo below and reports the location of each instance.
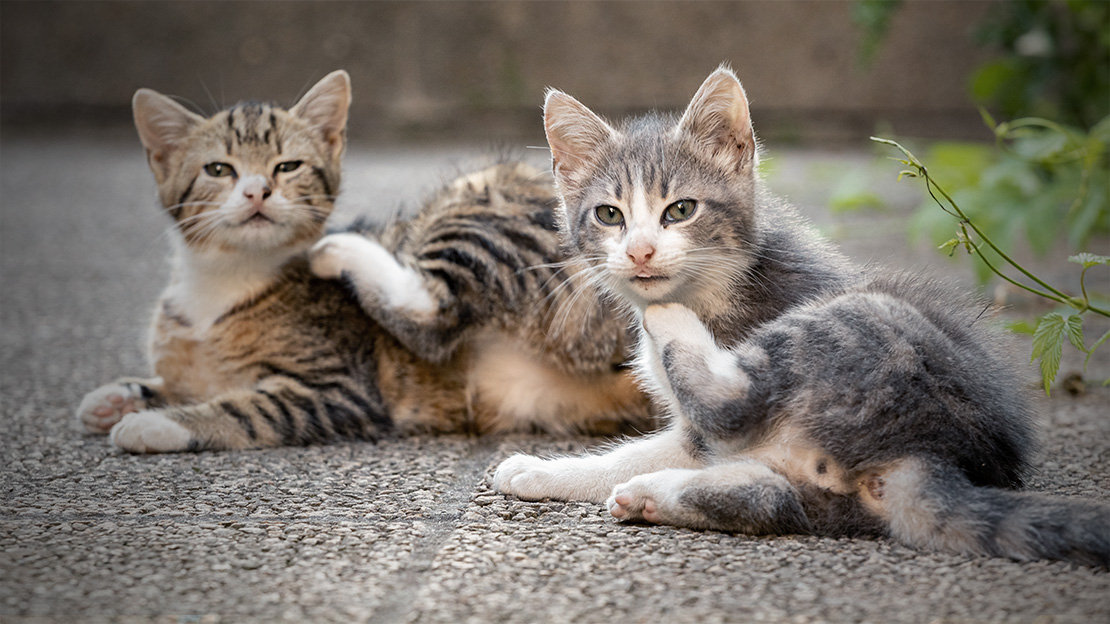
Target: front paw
(336, 254)
(102, 408)
(150, 432)
(521, 476)
(670, 322)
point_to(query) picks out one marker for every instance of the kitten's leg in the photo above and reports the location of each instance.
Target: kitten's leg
(703, 377)
(102, 408)
(744, 496)
(419, 311)
(381, 282)
(592, 477)
(280, 411)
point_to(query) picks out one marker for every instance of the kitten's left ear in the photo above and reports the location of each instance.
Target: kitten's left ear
(719, 119)
(325, 107)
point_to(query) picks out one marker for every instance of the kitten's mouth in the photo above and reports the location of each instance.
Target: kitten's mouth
(257, 217)
(649, 279)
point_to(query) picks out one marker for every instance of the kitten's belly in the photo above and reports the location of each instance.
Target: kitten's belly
(790, 453)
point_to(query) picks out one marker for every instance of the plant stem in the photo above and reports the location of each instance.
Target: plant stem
(965, 221)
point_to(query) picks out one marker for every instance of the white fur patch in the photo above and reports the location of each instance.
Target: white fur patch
(150, 432)
(373, 270)
(208, 283)
(590, 477)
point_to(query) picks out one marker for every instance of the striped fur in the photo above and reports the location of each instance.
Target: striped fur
(254, 345)
(805, 395)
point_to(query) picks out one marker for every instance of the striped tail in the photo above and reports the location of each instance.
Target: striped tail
(932, 505)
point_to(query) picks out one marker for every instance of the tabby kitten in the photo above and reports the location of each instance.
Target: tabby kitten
(805, 396)
(458, 319)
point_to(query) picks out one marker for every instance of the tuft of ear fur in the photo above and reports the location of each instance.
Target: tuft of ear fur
(162, 124)
(575, 135)
(718, 118)
(325, 107)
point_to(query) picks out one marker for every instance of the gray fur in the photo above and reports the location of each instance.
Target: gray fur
(908, 419)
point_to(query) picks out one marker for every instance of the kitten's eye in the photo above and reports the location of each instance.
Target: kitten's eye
(288, 166)
(680, 211)
(609, 215)
(219, 169)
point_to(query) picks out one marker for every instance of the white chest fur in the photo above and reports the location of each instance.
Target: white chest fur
(205, 287)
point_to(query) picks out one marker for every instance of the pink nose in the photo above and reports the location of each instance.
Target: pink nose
(257, 194)
(641, 254)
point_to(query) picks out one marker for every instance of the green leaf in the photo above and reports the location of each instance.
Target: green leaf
(1089, 260)
(1048, 345)
(950, 246)
(1073, 325)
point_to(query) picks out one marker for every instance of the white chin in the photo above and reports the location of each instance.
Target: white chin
(652, 290)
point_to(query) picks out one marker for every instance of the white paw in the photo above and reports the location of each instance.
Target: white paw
(150, 432)
(668, 322)
(338, 253)
(652, 497)
(522, 476)
(102, 408)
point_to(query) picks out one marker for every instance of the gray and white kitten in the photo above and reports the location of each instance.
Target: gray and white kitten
(805, 396)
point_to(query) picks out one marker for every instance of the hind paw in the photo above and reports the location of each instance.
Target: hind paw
(102, 408)
(652, 497)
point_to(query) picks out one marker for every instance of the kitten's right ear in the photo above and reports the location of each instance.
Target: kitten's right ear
(575, 135)
(162, 124)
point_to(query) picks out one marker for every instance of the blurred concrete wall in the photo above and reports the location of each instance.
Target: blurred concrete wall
(453, 69)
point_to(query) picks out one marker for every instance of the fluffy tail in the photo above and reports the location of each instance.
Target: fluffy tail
(932, 505)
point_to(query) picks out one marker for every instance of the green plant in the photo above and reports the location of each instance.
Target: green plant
(1045, 181)
(1051, 329)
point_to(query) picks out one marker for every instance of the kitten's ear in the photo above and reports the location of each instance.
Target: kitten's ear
(162, 125)
(575, 135)
(718, 118)
(325, 107)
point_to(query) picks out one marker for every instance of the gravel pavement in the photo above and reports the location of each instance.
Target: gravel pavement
(403, 530)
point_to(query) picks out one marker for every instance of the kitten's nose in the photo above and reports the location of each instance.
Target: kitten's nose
(257, 192)
(641, 254)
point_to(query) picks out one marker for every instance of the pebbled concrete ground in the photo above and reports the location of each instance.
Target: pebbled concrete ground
(404, 530)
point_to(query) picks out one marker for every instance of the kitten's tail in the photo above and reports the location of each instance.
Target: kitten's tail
(932, 505)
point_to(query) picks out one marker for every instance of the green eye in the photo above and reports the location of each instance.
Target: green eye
(609, 215)
(680, 211)
(288, 166)
(219, 169)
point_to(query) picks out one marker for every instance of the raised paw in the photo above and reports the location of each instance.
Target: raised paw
(652, 497)
(102, 408)
(668, 322)
(338, 253)
(150, 432)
